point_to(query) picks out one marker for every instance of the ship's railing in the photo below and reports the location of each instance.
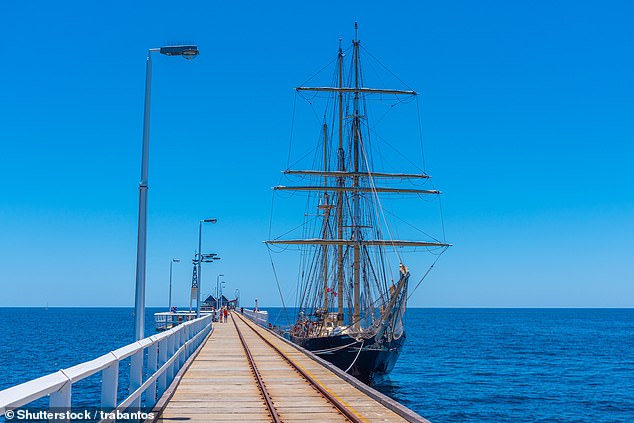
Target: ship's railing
(166, 354)
(261, 317)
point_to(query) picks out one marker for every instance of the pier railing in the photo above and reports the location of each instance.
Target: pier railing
(164, 354)
(258, 316)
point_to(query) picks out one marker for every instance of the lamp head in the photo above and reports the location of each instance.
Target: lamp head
(212, 220)
(188, 52)
(176, 260)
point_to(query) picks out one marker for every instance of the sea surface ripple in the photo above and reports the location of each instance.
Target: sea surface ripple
(457, 365)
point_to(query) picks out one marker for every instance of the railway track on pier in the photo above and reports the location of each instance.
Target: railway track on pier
(271, 362)
(245, 373)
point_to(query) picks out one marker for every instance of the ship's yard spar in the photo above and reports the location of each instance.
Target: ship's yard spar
(346, 276)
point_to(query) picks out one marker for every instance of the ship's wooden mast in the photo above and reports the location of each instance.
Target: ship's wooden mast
(341, 185)
(340, 181)
(326, 208)
(356, 207)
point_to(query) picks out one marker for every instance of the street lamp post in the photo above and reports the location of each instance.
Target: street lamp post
(188, 52)
(217, 290)
(200, 260)
(222, 285)
(174, 260)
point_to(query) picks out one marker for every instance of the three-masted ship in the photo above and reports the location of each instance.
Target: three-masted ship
(353, 289)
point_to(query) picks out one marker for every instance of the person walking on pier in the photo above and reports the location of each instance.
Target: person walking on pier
(225, 313)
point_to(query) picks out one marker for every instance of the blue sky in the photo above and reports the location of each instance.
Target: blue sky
(527, 115)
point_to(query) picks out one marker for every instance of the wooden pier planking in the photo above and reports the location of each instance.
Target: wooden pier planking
(219, 385)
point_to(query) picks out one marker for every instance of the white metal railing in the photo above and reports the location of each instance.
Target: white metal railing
(166, 354)
(260, 317)
(168, 319)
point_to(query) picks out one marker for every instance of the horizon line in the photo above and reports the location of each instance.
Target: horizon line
(431, 307)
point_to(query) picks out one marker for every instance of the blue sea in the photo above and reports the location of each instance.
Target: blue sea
(457, 365)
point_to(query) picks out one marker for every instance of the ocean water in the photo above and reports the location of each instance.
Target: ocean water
(457, 365)
(38, 341)
(528, 365)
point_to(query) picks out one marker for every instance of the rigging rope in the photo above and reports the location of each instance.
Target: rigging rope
(375, 196)
(386, 68)
(376, 134)
(271, 215)
(309, 262)
(290, 141)
(442, 220)
(278, 285)
(420, 135)
(414, 227)
(426, 273)
(326, 66)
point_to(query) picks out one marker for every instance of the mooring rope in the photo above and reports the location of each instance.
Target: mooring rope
(329, 350)
(355, 359)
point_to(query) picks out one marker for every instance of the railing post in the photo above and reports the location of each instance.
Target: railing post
(136, 376)
(177, 341)
(183, 353)
(170, 353)
(152, 365)
(204, 328)
(186, 349)
(190, 336)
(162, 353)
(192, 333)
(109, 385)
(60, 401)
(190, 347)
(200, 329)
(186, 333)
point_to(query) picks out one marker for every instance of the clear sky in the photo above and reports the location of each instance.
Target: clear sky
(527, 112)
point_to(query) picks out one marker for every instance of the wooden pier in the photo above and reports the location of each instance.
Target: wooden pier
(246, 373)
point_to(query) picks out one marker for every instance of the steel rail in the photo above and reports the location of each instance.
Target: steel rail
(258, 377)
(345, 410)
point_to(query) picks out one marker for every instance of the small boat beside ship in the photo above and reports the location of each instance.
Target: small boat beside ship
(352, 287)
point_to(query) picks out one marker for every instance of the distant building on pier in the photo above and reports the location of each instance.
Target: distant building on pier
(223, 301)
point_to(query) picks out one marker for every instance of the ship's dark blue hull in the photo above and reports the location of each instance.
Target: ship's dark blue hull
(343, 352)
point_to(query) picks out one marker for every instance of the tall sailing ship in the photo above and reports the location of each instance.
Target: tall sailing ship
(353, 282)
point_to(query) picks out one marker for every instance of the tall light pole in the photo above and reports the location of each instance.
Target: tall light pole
(217, 290)
(222, 285)
(188, 52)
(200, 259)
(174, 260)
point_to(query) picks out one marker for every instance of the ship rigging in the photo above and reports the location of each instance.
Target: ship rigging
(351, 304)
